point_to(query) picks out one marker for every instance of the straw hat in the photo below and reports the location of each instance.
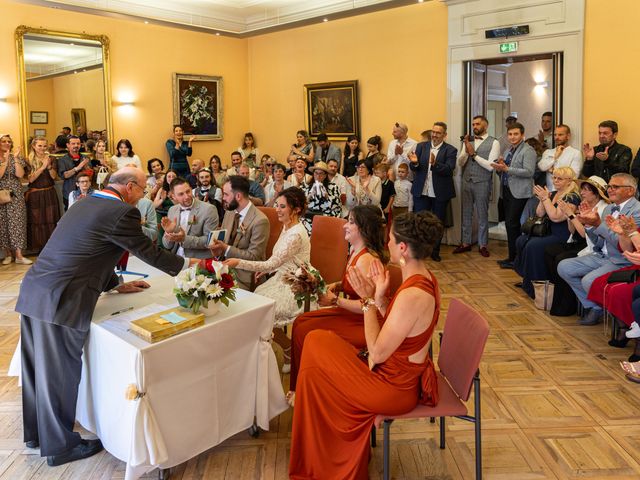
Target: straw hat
(598, 183)
(320, 166)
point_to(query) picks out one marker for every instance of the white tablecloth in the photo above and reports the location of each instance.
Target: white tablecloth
(201, 387)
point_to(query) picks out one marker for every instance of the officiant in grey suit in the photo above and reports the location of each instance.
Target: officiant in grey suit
(56, 302)
(188, 223)
(247, 228)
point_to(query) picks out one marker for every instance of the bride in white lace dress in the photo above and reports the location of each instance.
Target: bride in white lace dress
(292, 246)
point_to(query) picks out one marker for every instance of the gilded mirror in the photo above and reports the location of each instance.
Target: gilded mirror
(64, 82)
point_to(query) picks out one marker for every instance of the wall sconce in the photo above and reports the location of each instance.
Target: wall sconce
(3, 99)
(542, 84)
(126, 104)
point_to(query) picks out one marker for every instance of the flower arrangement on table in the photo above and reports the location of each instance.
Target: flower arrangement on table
(208, 281)
(306, 283)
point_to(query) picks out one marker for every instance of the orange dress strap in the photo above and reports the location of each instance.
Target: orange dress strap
(346, 286)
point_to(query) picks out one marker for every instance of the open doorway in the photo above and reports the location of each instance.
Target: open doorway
(524, 87)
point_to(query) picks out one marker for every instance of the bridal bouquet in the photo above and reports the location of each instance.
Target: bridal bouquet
(306, 283)
(208, 281)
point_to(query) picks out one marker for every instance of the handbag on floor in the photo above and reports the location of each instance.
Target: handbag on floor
(543, 290)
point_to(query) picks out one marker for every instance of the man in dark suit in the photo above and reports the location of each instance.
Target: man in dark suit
(609, 157)
(69, 166)
(432, 165)
(57, 299)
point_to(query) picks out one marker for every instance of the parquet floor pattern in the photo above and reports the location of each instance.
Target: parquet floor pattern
(555, 404)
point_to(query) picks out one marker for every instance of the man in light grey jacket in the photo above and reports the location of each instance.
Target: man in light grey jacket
(516, 169)
(187, 224)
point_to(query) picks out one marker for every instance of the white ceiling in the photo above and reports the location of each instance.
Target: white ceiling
(235, 17)
(46, 55)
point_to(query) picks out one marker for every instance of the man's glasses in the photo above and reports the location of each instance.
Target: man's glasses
(616, 187)
(269, 164)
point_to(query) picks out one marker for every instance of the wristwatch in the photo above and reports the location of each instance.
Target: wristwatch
(572, 216)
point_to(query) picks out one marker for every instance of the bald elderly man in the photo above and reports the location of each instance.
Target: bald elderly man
(57, 298)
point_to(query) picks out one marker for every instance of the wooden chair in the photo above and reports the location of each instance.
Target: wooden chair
(462, 344)
(329, 249)
(275, 227)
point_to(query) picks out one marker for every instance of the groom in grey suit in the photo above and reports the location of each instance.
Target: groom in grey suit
(247, 228)
(187, 224)
(580, 272)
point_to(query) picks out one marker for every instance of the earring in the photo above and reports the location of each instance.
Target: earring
(402, 262)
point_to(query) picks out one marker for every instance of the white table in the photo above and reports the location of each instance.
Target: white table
(201, 386)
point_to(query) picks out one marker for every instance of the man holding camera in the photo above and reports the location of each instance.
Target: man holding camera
(475, 160)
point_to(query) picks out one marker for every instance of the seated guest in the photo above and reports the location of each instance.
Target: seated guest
(402, 186)
(299, 176)
(563, 155)
(338, 395)
(594, 196)
(163, 201)
(219, 175)
(529, 262)
(433, 164)
(302, 149)
(256, 193)
(609, 157)
(325, 150)
(179, 150)
(155, 167)
(125, 156)
(364, 232)
(83, 189)
(196, 166)
(388, 189)
(364, 187)
(273, 189)
(69, 166)
(236, 161)
(264, 175)
(247, 228)
(580, 272)
(341, 182)
(291, 249)
(149, 220)
(209, 192)
(249, 150)
(188, 223)
(323, 197)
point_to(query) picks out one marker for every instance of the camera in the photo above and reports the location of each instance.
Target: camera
(462, 138)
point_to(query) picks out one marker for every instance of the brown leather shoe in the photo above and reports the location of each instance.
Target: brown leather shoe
(462, 248)
(484, 251)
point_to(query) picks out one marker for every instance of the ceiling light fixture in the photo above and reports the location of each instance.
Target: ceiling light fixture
(146, 22)
(217, 34)
(325, 19)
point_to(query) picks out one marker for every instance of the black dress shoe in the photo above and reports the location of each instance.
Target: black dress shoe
(518, 285)
(634, 358)
(618, 342)
(504, 260)
(507, 265)
(435, 257)
(85, 449)
(32, 444)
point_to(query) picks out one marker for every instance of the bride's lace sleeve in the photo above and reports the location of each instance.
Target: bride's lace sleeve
(282, 252)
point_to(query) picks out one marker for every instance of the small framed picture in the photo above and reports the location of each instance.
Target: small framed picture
(39, 117)
(39, 132)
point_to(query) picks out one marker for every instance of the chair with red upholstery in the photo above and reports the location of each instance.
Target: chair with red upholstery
(462, 344)
(275, 227)
(329, 249)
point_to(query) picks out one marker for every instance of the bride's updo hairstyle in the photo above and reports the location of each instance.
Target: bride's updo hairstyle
(371, 226)
(420, 231)
(296, 199)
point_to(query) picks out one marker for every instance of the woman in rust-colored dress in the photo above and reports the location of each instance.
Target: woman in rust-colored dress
(43, 209)
(365, 233)
(339, 390)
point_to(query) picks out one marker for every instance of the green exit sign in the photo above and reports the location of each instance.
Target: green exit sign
(509, 47)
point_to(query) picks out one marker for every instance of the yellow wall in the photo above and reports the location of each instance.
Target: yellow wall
(80, 90)
(40, 95)
(398, 56)
(611, 69)
(143, 59)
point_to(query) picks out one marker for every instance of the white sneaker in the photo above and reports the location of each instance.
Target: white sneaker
(634, 331)
(23, 261)
(7, 260)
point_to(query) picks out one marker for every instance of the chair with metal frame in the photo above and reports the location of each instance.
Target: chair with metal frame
(462, 344)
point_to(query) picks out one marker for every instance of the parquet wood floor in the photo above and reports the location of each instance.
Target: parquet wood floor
(555, 403)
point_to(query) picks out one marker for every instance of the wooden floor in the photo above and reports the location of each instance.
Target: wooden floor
(555, 402)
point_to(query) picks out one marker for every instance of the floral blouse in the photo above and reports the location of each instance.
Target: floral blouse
(321, 201)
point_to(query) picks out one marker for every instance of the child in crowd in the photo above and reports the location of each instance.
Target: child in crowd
(388, 190)
(83, 184)
(402, 202)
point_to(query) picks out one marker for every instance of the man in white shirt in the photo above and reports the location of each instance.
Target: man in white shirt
(341, 182)
(475, 160)
(563, 155)
(400, 148)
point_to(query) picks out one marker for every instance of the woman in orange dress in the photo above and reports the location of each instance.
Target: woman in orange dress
(339, 393)
(364, 231)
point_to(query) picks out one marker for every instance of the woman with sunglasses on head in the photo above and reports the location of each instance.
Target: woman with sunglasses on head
(264, 174)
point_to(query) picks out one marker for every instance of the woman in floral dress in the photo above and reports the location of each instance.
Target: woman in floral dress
(323, 197)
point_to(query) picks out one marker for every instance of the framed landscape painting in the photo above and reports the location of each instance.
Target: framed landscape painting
(197, 105)
(332, 108)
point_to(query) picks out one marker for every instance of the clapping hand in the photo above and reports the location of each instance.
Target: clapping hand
(559, 150)
(614, 225)
(588, 216)
(381, 279)
(603, 156)
(399, 149)
(541, 192)
(469, 146)
(178, 236)
(628, 224)
(588, 151)
(363, 286)
(168, 225)
(432, 159)
(566, 208)
(413, 158)
(499, 165)
(633, 257)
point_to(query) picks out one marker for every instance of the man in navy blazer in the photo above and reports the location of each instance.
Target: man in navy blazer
(432, 165)
(57, 298)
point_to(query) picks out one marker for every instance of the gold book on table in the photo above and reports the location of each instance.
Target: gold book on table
(155, 328)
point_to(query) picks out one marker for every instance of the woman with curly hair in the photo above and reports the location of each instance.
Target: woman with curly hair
(365, 233)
